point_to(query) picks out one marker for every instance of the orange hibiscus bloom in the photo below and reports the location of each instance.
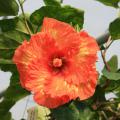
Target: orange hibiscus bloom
(58, 64)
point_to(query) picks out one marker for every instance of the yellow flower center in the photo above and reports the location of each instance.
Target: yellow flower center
(57, 62)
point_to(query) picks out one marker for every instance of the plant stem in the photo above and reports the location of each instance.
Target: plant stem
(104, 115)
(25, 20)
(103, 54)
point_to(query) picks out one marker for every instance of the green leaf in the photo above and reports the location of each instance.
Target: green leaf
(9, 41)
(102, 80)
(98, 97)
(16, 23)
(16, 36)
(74, 110)
(5, 106)
(66, 112)
(117, 92)
(8, 8)
(6, 43)
(6, 53)
(8, 24)
(21, 24)
(112, 3)
(8, 116)
(114, 29)
(99, 94)
(112, 84)
(52, 2)
(14, 92)
(113, 63)
(111, 75)
(65, 14)
(87, 114)
(5, 61)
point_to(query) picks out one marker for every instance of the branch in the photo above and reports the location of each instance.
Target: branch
(25, 20)
(103, 54)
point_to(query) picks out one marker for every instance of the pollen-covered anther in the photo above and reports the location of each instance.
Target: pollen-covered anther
(57, 62)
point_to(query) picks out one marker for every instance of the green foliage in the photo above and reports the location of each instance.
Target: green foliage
(6, 53)
(74, 110)
(13, 93)
(99, 97)
(10, 38)
(8, 8)
(52, 2)
(67, 112)
(112, 3)
(117, 92)
(5, 61)
(21, 24)
(7, 43)
(7, 117)
(112, 74)
(8, 24)
(66, 14)
(16, 23)
(114, 29)
(113, 63)
(113, 84)
(112, 79)
(16, 36)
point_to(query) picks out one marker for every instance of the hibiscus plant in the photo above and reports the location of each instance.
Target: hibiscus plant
(51, 57)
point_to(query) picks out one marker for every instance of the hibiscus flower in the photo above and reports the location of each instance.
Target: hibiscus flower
(58, 64)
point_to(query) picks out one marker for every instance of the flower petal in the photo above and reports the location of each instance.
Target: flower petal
(87, 87)
(23, 55)
(57, 86)
(38, 47)
(37, 74)
(78, 83)
(88, 49)
(48, 101)
(65, 36)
